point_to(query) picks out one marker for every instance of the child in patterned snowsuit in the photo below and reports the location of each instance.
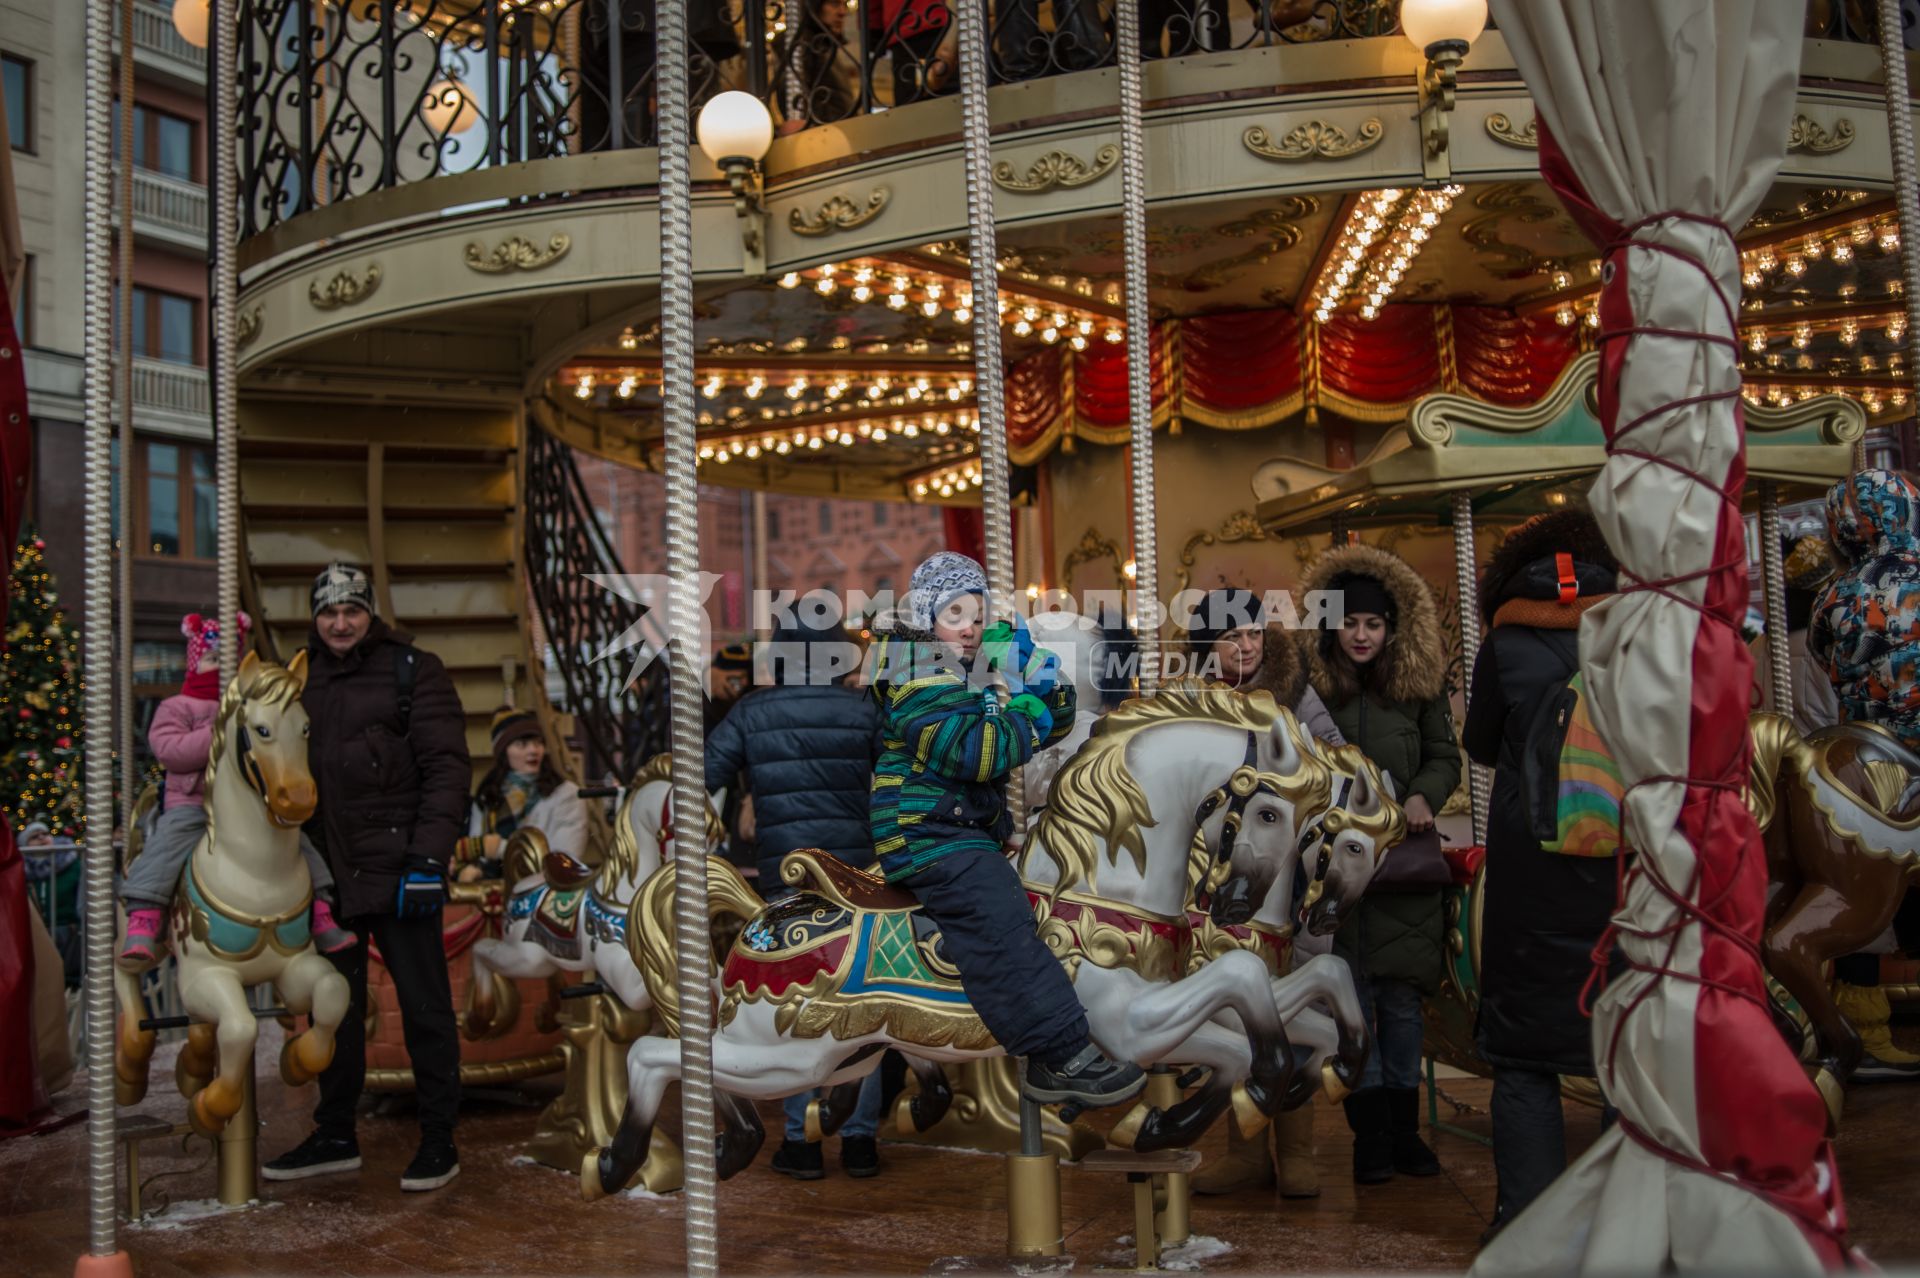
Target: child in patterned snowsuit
(1866, 626)
(939, 824)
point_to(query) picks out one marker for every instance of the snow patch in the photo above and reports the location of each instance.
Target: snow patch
(1189, 1256)
(183, 1214)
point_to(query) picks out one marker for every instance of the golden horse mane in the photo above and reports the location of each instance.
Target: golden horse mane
(1384, 828)
(1097, 802)
(624, 852)
(272, 684)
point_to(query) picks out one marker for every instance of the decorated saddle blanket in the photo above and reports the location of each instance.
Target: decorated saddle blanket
(556, 917)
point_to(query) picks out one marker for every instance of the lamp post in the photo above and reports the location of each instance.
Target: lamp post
(735, 131)
(1443, 31)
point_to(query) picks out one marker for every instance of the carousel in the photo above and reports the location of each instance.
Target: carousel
(1146, 309)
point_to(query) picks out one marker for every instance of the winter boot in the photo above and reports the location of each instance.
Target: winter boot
(799, 1159)
(1372, 1142)
(328, 936)
(145, 947)
(1411, 1157)
(1293, 1152)
(1865, 1006)
(1246, 1165)
(1089, 1078)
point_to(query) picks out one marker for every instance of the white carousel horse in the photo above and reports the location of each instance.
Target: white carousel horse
(1344, 847)
(240, 916)
(820, 984)
(564, 916)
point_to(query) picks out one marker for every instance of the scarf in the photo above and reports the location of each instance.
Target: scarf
(1545, 614)
(202, 685)
(518, 794)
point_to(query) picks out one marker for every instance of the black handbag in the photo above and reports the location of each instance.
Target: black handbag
(1415, 864)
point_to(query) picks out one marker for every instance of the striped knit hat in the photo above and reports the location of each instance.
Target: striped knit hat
(511, 725)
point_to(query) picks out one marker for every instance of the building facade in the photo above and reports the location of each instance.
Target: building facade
(171, 488)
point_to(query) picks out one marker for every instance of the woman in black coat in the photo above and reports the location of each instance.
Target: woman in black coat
(1543, 912)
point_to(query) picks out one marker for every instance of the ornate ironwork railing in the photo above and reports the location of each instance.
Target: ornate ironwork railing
(345, 98)
(625, 723)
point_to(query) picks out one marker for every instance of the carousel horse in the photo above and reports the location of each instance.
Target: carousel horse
(1840, 816)
(240, 915)
(1344, 846)
(565, 916)
(818, 985)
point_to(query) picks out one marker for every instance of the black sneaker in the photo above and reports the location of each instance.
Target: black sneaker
(859, 1156)
(317, 1155)
(1088, 1079)
(799, 1159)
(435, 1165)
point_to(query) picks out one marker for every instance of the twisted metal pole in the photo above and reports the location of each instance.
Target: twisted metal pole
(1773, 582)
(1133, 225)
(692, 946)
(1893, 57)
(129, 791)
(223, 50)
(989, 370)
(97, 320)
(1479, 780)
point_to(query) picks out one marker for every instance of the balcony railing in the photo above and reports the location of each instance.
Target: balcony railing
(178, 390)
(155, 35)
(342, 99)
(170, 208)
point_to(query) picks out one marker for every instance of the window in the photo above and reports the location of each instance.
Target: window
(177, 490)
(23, 305)
(879, 514)
(165, 326)
(773, 524)
(162, 142)
(18, 75)
(826, 517)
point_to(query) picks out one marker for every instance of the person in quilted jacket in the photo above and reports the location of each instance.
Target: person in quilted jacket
(1866, 626)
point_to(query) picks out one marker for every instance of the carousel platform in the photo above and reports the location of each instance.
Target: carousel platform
(506, 1215)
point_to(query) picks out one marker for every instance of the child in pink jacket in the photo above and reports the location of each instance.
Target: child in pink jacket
(181, 738)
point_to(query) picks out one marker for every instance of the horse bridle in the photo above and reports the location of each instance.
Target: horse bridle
(250, 766)
(1245, 782)
(1320, 832)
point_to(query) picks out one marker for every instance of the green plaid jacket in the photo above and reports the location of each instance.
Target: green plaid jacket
(946, 750)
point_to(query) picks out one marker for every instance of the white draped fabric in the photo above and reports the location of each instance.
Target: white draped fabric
(1651, 109)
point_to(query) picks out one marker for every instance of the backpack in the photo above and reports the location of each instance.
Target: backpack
(1569, 781)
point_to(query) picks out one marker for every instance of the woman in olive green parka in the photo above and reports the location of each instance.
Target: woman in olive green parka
(1382, 674)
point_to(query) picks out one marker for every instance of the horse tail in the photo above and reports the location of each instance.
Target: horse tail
(1774, 741)
(133, 1046)
(650, 926)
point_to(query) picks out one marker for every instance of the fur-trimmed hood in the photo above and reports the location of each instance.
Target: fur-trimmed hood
(1508, 574)
(1416, 651)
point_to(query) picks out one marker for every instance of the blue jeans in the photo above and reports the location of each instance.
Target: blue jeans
(1392, 1009)
(864, 1121)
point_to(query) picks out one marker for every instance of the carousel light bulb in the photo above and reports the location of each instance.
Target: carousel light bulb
(863, 275)
(736, 448)
(866, 430)
(753, 388)
(790, 280)
(1562, 280)
(1766, 261)
(1896, 328)
(796, 388)
(910, 431)
(1369, 312)
(783, 448)
(1842, 251)
(1796, 265)
(706, 452)
(879, 434)
(1564, 317)
(1889, 240)
(963, 314)
(875, 391)
(753, 451)
(626, 387)
(585, 389)
(965, 384)
(901, 283)
(815, 442)
(914, 392)
(861, 293)
(946, 490)
(1115, 334)
(920, 490)
(1757, 340)
(1021, 328)
(1753, 279)
(713, 386)
(1004, 304)
(929, 309)
(1078, 342)
(723, 458)
(942, 428)
(1814, 249)
(824, 285)
(1049, 335)
(896, 301)
(1593, 319)
(1802, 337)
(1322, 315)
(1849, 333)
(628, 339)
(846, 438)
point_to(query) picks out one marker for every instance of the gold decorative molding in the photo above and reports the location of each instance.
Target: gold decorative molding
(1275, 228)
(517, 253)
(840, 214)
(1500, 129)
(246, 327)
(1502, 205)
(344, 289)
(1237, 527)
(1314, 140)
(1807, 135)
(1058, 168)
(1092, 548)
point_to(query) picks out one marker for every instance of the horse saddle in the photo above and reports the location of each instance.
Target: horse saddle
(564, 874)
(811, 870)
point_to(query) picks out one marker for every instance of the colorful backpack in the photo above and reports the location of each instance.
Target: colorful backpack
(1570, 781)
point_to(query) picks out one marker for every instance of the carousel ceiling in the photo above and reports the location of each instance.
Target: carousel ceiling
(866, 364)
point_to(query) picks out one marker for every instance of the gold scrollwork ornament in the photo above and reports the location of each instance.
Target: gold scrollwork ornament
(1500, 129)
(1807, 135)
(344, 289)
(246, 327)
(839, 214)
(1314, 140)
(1057, 168)
(517, 253)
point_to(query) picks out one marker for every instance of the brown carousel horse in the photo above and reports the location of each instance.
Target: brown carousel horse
(1840, 816)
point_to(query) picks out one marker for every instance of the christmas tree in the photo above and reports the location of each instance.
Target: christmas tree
(42, 774)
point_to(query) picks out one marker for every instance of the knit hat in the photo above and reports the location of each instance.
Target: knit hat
(1361, 593)
(33, 830)
(511, 725)
(339, 583)
(942, 578)
(735, 656)
(1809, 564)
(1221, 613)
(203, 637)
